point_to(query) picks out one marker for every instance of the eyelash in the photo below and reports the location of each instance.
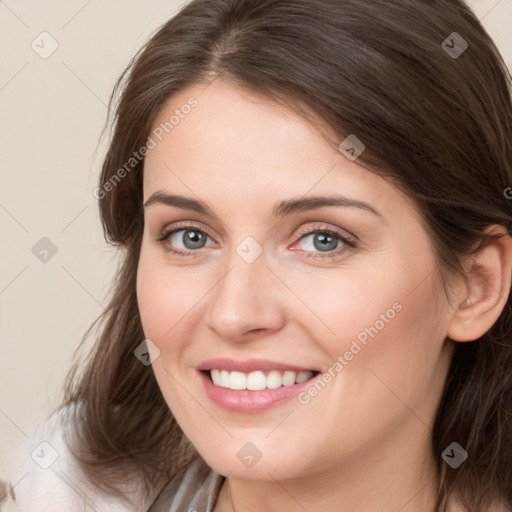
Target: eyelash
(350, 243)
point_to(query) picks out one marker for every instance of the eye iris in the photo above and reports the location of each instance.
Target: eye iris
(195, 238)
(326, 242)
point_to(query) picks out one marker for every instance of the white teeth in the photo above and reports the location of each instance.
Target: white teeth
(302, 377)
(237, 380)
(289, 378)
(224, 379)
(215, 375)
(274, 380)
(258, 380)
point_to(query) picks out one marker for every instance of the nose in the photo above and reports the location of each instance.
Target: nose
(246, 302)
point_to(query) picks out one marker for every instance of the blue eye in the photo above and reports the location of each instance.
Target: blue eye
(324, 244)
(322, 241)
(327, 242)
(192, 237)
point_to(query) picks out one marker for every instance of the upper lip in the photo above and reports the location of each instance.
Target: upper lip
(249, 365)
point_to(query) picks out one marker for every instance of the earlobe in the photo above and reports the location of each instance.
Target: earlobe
(487, 288)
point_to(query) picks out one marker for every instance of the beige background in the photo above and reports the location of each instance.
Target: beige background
(53, 111)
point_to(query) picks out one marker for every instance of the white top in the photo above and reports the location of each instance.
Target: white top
(46, 478)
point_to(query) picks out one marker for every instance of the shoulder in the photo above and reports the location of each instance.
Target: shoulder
(47, 478)
(196, 487)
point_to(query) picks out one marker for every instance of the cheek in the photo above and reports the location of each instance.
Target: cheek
(383, 323)
(377, 383)
(166, 299)
(390, 355)
(345, 305)
(393, 297)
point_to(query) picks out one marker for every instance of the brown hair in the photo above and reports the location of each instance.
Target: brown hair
(437, 125)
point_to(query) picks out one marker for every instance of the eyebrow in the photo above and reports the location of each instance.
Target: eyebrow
(280, 209)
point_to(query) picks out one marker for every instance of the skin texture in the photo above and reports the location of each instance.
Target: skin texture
(362, 443)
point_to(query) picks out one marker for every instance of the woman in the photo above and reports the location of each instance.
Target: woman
(312, 311)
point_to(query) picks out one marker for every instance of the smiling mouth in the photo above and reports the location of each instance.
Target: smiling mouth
(257, 380)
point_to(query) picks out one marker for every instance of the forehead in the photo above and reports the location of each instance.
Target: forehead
(232, 144)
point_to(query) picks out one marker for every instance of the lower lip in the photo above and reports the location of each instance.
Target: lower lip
(245, 400)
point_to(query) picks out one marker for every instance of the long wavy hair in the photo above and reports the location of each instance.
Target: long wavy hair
(436, 120)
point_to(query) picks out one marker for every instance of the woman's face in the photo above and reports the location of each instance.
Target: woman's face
(262, 280)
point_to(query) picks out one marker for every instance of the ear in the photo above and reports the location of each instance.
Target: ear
(487, 288)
